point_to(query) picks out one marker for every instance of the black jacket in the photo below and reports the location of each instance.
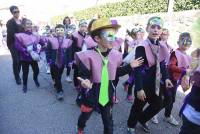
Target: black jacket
(12, 28)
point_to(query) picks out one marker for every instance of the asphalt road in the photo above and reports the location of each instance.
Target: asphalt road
(38, 111)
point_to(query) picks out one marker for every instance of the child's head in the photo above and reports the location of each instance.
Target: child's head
(103, 31)
(196, 53)
(26, 24)
(154, 27)
(184, 41)
(35, 28)
(60, 30)
(82, 26)
(165, 34)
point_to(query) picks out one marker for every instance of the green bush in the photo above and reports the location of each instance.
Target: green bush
(130, 7)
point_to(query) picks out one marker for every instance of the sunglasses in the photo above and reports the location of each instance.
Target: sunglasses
(14, 12)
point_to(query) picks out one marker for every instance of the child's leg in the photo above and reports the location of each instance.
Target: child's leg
(135, 112)
(68, 70)
(76, 83)
(86, 112)
(25, 69)
(106, 114)
(35, 68)
(56, 75)
(169, 99)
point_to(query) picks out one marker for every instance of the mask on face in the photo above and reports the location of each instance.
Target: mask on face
(185, 42)
(108, 36)
(60, 31)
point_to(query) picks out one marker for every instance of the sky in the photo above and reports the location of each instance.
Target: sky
(44, 9)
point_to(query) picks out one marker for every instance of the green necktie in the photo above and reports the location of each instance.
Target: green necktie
(103, 95)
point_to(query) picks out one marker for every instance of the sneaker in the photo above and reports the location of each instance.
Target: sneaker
(68, 79)
(24, 88)
(37, 83)
(171, 120)
(115, 100)
(154, 119)
(145, 127)
(48, 70)
(129, 98)
(130, 130)
(79, 131)
(60, 96)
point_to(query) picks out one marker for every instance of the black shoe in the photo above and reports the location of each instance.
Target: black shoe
(145, 127)
(60, 96)
(18, 81)
(24, 88)
(37, 83)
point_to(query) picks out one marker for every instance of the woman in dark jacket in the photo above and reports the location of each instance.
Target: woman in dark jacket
(14, 26)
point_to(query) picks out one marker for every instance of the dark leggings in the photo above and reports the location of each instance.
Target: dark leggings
(25, 69)
(169, 99)
(68, 70)
(56, 74)
(106, 115)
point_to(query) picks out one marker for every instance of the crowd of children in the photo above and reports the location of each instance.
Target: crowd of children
(94, 52)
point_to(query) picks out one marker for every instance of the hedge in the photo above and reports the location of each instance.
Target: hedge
(131, 7)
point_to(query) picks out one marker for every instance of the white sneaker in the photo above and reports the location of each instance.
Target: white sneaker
(155, 119)
(171, 120)
(68, 79)
(48, 70)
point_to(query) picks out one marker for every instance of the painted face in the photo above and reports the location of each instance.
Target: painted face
(108, 35)
(28, 26)
(83, 28)
(60, 31)
(185, 43)
(154, 31)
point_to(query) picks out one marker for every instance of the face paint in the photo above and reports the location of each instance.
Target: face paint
(60, 31)
(108, 36)
(186, 41)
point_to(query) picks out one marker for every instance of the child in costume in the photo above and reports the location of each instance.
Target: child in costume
(128, 85)
(190, 110)
(59, 54)
(178, 65)
(78, 39)
(27, 44)
(148, 78)
(97, 70)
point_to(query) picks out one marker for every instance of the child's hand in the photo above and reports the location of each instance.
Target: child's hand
(136, 62)
(141, 95)
(85, 83)
(168, 83)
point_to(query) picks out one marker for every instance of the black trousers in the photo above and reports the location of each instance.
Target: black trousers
(25, 69)
(56, 74)
(68, 70)
(169, 98)
(16, 62)
(76, 82)
(189, 127)
(106, 115)
(138, 114)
